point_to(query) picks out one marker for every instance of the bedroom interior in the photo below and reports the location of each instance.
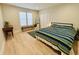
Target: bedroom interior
(39, 28)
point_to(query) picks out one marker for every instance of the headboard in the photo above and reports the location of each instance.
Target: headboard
(64, 24)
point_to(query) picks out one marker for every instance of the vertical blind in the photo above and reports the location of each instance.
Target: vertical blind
(25, 18)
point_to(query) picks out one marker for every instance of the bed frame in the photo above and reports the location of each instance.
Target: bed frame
(64, 24)
(53, 46)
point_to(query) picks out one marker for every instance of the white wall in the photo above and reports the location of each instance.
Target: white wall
(11, 14)
(67, 13)
(2, 40)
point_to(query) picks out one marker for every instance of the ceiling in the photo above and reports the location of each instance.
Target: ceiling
(34, 6)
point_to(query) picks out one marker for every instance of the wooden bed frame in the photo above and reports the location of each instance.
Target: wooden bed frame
(53, 46)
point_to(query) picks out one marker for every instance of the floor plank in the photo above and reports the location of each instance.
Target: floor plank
(24, 44)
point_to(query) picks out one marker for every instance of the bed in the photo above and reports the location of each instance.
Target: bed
(59, 36)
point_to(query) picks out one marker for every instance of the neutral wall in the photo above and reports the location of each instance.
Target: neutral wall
(2, 40)
(11, 14)
(66, 13)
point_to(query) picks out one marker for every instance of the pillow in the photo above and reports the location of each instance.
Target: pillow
(61, 26)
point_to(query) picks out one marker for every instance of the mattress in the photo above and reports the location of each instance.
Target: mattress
(62, 37)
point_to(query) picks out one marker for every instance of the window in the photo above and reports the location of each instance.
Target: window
(22, 16)
(29, 18)
(25, 18)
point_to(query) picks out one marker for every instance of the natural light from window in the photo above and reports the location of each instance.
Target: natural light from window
(29, 17)
(25, 18)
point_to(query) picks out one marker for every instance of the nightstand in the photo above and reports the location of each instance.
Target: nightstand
(6, 30)
(76, 43)
(77, 35)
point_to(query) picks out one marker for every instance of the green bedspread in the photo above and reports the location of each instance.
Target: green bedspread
(63, 36)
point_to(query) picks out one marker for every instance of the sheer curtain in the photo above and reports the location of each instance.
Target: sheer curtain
(25, 18)
(29, 19)
(22, 16)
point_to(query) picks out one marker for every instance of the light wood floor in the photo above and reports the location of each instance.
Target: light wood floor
(23, 43)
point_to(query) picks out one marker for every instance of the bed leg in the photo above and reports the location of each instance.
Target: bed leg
(63, 53)
(36, 37)
(72, 52)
